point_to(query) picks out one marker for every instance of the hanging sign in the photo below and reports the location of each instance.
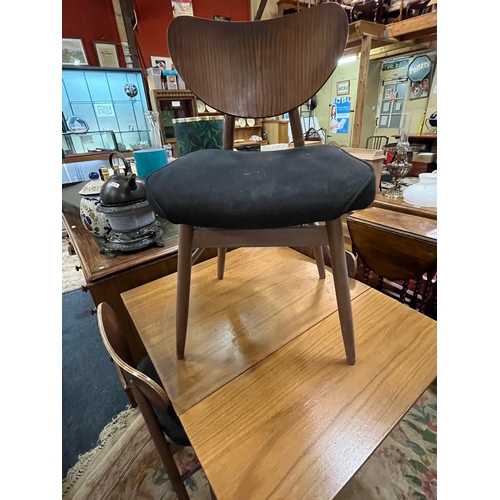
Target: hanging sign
(391, 65)
(419, 68)
(339, 115)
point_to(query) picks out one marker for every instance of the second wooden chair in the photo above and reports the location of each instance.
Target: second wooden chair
(151, 398)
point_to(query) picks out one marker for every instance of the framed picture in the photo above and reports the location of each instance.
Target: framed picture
(419, 90)
(161, 61)
(104, 109)
(107, 54)
(343, 88)
(182, 8)
(73, 52)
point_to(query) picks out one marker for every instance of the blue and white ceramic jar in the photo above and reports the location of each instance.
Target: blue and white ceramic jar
(95, 222)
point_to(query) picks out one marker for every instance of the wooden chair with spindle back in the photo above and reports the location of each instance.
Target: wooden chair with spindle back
(151, 398)
(224, 198)
(376, 142)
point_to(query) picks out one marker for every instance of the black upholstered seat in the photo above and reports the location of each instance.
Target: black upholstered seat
(224, 198)
(167, 418)
(260, 190)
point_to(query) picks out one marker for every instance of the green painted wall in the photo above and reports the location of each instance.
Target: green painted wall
(344, 72)
(349, 71)
(416, 107)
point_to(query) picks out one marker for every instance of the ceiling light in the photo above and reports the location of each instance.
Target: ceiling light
(347, 59)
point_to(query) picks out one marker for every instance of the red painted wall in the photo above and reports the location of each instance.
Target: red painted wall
(92, 21)
(153, 18)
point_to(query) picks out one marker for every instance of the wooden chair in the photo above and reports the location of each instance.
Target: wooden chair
(396, 255)
(417, 8)
(223, 198)
(376, 142)
(364, 10)
(152, 399)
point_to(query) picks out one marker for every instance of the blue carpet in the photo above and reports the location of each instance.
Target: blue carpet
(91, 391)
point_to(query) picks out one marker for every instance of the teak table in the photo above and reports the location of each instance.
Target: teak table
(264, 392)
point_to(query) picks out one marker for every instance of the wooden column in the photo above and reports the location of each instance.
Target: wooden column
(364, 64)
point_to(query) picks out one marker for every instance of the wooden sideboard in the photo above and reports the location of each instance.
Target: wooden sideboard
(110, 274)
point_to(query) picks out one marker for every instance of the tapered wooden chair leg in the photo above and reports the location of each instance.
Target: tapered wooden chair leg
(341, 280)
(320, 261)
(212, 494)
(183, 286)
(221, 262)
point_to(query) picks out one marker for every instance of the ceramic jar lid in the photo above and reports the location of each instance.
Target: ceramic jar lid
(93, 187)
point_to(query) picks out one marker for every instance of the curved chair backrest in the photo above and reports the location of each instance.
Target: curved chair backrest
(259, 68)
(117, 347)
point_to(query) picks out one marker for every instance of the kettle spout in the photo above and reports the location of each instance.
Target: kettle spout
(131, 184)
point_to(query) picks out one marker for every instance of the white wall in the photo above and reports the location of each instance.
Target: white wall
(270, 11)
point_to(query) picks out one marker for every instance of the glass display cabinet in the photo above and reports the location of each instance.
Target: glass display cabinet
(74, 143)
(103, 109)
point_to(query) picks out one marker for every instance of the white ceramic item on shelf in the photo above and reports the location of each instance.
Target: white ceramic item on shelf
(424, 192)
(240, 122)
(201, 106)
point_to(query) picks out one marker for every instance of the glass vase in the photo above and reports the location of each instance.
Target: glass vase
(153, 121)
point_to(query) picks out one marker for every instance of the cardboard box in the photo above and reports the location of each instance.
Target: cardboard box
(374, 156)
(424, 157)
(420, 163)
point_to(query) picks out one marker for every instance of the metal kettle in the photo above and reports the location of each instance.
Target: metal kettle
(122, 188)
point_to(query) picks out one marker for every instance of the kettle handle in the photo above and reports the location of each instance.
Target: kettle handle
(115, 168)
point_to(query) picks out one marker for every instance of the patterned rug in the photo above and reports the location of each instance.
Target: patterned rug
(126, 466)
(71, 278)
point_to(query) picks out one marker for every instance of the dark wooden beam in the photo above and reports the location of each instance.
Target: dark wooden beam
(127, 7)
(260, 10)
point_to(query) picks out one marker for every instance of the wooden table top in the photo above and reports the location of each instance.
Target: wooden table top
(399, 205)
(223, 342)
(267, 399)
(413, 226)
(430, 137)
(96, 266)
